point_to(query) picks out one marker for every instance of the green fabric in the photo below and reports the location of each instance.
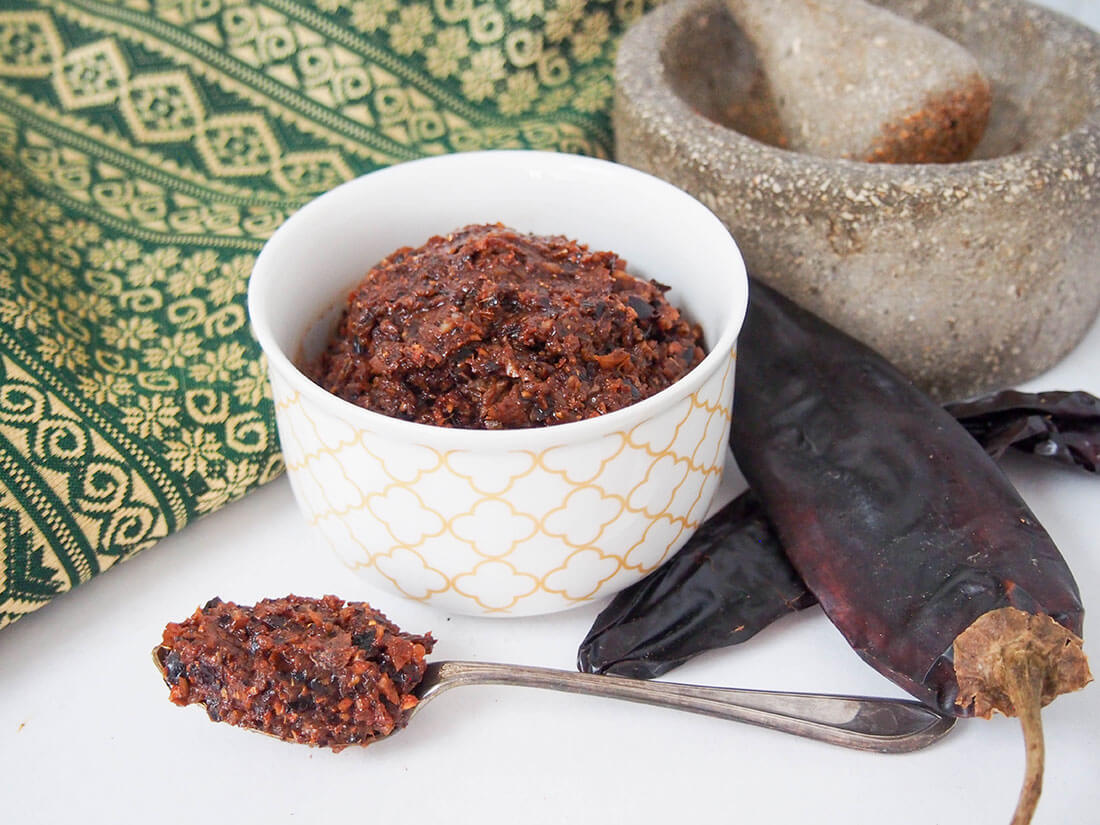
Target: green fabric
(147, 150)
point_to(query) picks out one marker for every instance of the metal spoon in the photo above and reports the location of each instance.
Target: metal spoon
(871, 724)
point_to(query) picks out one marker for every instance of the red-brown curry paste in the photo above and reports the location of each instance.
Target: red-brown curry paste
(490, 328)
(314, 671)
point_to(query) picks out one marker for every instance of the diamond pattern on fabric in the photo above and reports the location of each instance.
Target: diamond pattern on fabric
(147, 151)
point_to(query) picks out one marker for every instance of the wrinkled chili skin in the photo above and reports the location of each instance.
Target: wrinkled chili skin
(1063, 427)
(314, 671)
(687, 606)
(489, 328)
(728, 582)
(900, 524)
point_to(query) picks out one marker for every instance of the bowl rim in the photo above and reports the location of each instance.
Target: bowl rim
(526, 439)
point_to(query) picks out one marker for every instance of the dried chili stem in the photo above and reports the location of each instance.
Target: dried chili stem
(1024, 685)
(1015, 663)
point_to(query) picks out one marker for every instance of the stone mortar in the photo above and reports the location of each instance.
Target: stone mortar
(969, 276)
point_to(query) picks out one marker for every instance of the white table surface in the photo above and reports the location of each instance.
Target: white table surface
(86, 727)
(87, 733)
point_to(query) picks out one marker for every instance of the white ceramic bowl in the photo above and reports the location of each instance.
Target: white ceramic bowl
(501, 522)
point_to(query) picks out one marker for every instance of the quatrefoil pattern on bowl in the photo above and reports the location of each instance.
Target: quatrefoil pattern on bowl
(516, 533)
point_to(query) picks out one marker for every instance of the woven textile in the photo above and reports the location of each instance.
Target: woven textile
(147, 150)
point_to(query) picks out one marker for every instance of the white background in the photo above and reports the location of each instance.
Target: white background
(1087, 11)
(87, 733)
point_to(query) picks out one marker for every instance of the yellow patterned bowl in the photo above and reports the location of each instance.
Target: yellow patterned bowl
(501, 522)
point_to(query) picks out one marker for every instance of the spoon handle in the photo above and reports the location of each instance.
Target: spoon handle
(873, 724)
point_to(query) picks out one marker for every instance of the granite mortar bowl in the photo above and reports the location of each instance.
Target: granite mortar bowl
(969, 276)
(501, 522)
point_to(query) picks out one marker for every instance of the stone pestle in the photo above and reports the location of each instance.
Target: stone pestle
(853, 80)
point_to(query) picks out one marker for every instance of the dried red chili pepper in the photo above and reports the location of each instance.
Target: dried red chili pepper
(729, 581)
(732, 578)
(1060, 426)
(919, 549)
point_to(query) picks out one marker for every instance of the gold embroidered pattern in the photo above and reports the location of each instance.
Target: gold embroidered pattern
(148, 148)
